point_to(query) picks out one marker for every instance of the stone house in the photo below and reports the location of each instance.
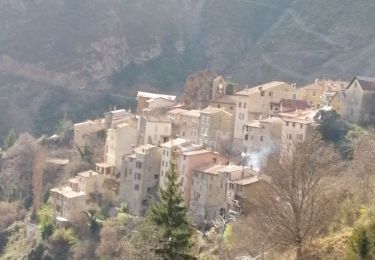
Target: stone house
(261, 138)
(338, 103)
(295, 127)
(189, 125)
(208, 197)
(120, 140)
(360, 101)
(320, 92)
(228, 103)
(153, 100)
(189, 158)
(140, 177)
(257, 102)
(168, 149)
(215, 128)
(154, 127)
(66, 200)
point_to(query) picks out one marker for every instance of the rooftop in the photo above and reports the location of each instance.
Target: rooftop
(266, 86)
(224, 99)
(294, 104)
(367, 84)
(98, 122)
(196, 152)
(299, 116)
(87, 174)
(213, 110)
(194, 113)
(67, 192)
(174, 142)
(155, 117)
(326, 85)
(176, 111)
(154, 95)
(211, 168)
(248, 180)
(143, 148)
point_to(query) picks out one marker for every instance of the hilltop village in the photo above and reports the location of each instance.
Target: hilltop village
(219, 151)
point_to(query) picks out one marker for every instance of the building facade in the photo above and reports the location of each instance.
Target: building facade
(140, 177)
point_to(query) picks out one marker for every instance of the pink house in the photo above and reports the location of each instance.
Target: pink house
(189, 160)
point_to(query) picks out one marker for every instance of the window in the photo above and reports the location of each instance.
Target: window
(138, 165)
(294, 124)
(239, 104)
(270, 94)
(287, 123)
(261, 138)
(252, 138)
(148, 190)
(301, 126)
(314, 93)
(136, 187)
(162, 173)
(244, 104)
(137, 176)
(246, 137)
(163, 152)
(262, 93)
(156, 176)
(130, 171)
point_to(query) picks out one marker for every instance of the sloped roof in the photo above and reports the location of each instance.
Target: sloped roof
(294, 104)
(367, 84)
(266, 86)
(155, 95)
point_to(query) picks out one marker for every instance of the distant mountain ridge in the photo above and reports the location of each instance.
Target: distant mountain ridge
(117, 46)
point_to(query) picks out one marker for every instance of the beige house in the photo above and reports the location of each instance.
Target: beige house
(208, 198)
(121, 139)
(175, 116)
(254, 103)
(67, 199)
(154, 128)
(320, 92)
(360, 101)
(245, 190)
(140, 178)
(153, 100)
(228, 103)
(83, 130)
(215, 128)
(295, 127)
(261, 138)
(189, 125)
(167, 155)
(338, 103)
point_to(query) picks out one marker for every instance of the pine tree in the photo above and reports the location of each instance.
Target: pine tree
(169, 216)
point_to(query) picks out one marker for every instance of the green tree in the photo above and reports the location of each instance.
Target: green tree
(10, 139)
(45, 216)
(93, 221)
(169, 216)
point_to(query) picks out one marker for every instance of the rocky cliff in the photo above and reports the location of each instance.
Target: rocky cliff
(111, 48)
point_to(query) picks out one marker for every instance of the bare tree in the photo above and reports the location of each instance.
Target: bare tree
(37, 178)
(364, 161)
(298, 202)
(16, 176)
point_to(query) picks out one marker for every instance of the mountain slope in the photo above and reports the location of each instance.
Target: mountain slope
(110, 48)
